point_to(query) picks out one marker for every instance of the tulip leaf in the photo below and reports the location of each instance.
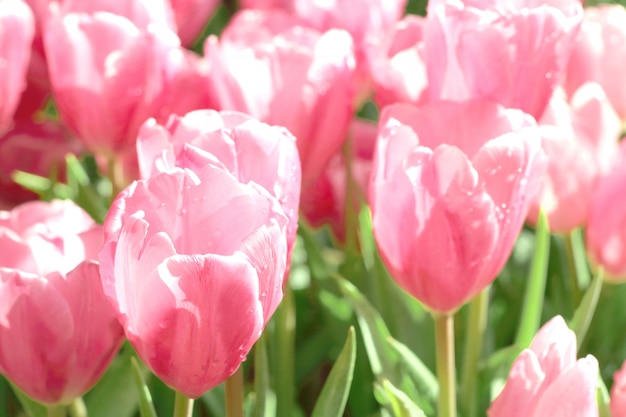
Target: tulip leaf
(533, 299)
(334, 395)
(585, 311)
(146, 408)
(114, 394)
(31, 407)
(83, 192)
(397, 402)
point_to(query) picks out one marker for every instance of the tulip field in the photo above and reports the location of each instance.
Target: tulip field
(326, 208)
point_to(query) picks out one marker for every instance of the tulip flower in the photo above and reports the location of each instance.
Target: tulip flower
(246, 148)
(17, 28)
(396, 62)
(599, 54)
(580, 140)
(512, 53)
(193, 262)
(191, 17)
(281, 73)
(58, 330)
(546, 380)
(450, 189)
(605, 233)
(618, 392)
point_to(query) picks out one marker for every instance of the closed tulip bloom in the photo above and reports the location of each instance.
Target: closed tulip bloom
(512, 53)
(606, 226)
(618, 392)
(191, 17)
(17, 28)
(580, 140)
(58, 331)
(599, 54)
(194, 264)
(546, 380)
(449, 192)
(233, 141)
(284, 74)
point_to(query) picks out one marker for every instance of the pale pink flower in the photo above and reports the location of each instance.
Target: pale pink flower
(58, 331)
(618, 392)
(449, 192)
(546, 380)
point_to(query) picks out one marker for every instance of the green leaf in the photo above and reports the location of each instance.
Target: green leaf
(146, 408)
(115, 394)
(585, 311)
(533, 299)
(31, 407)
(83, 192)
(334, 395)
(32, 182)
(397, 402)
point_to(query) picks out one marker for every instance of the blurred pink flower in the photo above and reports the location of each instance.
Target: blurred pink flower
(396, 63)
(192, 16)
(235, 142)
(580, 140)
(284, 74)
(512, 53)
(599, 54)
(325, 202)
(546, 380)
(449, 192)
(618, 392)
(58, 329)
(194, 262)
(606, 226)
(17, 28)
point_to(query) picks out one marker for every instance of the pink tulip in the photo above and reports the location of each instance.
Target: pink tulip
(284, 74)
(396, 62)
(232, 141)
(34, 148)
(600, 52)
(449, 192)
(16, 36)
(580, 140)
(194, 262)
(618, 393)
(109, 76)
(192, 16)
(546, 380)
(325, 202)
(606, 231)
(512, 53)
(58, 331)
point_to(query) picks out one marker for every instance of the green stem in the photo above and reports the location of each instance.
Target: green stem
(234, 394)
(444, 345)
(477, 323)
(114, 176)
(283, 359)
(77, 408)
(183, 405)
(57, 411)
(576, 292)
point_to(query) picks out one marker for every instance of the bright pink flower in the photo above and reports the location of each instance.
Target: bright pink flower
(284, 74)
(194, 263)
(618, 392)
(396, 63)
(580, 140)
(449, 193)
(33, 148)
(58, 331)
(512, 53)
(109, 76)
(17, 28)
(599, 54)
(325, 202)
(606, 226)
(192, 16)
(546, 380)
(250, 150)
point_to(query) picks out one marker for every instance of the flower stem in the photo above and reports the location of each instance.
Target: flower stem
(444, 344)
(77, 408)
(183, 405)
(57, 411)
(234, 394)
(477, 323)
